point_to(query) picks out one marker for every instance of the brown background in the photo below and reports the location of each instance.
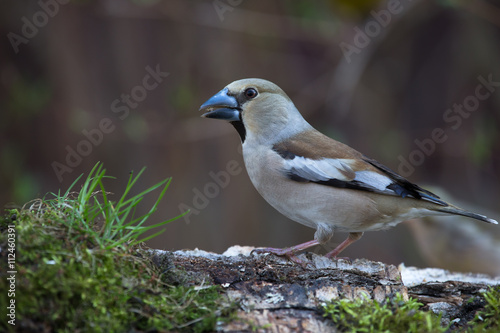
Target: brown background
(394, 91)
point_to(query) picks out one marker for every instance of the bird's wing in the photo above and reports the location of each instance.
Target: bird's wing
(401, 186)
(347, 170)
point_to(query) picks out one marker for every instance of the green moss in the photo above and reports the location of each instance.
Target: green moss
(401, 316)
(69, 280)
(390, 316)
(488, 319)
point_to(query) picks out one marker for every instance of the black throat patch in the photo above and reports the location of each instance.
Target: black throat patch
(240, 128)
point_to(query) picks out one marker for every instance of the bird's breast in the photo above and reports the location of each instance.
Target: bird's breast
(307, 203)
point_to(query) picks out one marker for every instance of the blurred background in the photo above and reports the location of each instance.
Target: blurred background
(121, 81)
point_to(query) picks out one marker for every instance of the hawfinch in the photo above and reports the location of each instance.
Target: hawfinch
(313, 179)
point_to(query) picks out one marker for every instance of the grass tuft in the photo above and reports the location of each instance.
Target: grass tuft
(81, 267)
(105, 223)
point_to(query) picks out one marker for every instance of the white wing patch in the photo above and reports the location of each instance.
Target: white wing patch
(374, 179)
(318, 170)
(339, 169)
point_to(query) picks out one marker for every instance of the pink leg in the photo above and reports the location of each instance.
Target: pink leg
(288, 252)
(353, 236)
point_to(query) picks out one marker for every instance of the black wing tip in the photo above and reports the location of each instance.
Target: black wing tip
(403, 187)
(458, 211)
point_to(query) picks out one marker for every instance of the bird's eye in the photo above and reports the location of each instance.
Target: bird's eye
(251, 93)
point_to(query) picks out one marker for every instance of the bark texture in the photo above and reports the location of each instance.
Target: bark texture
(277, 295)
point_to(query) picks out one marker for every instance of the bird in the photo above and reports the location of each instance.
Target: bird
(313, 179)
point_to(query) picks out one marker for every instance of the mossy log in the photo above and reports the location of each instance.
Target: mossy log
(277, 295)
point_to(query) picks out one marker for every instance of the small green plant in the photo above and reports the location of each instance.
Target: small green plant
(390, 316)
(488, 319)
(80, 266)
(111, 224)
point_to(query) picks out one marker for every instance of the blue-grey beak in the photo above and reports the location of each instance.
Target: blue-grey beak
(221, 106)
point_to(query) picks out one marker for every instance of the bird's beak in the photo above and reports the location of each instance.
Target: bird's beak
(222, 106)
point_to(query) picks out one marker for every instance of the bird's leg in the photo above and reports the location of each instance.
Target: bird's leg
(288, 252)
(353, 236)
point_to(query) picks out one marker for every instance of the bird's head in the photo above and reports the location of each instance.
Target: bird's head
(256, 108)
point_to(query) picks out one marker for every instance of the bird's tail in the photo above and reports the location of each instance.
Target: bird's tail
(459, 211)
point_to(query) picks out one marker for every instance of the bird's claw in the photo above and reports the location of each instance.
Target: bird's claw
(287, 253)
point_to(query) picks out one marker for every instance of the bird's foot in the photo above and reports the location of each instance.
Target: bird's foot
(353, 236)
(278, 252)
(288, 253)
(342, 258)
(332, 256)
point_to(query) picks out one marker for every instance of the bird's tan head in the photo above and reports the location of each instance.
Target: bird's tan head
(255, 107)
